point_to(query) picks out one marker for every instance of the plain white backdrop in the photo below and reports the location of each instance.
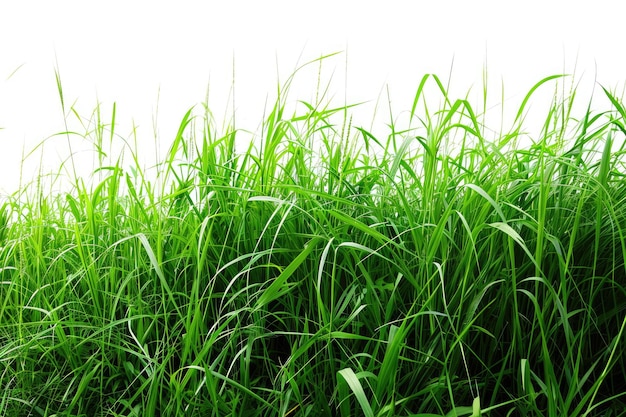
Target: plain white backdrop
(156, 59)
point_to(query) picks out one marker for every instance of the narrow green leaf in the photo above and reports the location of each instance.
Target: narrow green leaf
(351, 379)
(277, 288)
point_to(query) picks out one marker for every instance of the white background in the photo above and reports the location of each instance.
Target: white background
(144, 55)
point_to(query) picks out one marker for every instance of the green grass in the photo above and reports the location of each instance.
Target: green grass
(325, 271)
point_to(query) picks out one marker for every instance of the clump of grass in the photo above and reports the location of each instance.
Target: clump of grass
(325, 271)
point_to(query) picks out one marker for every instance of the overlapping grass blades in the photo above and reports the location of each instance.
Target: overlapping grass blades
(326, 271)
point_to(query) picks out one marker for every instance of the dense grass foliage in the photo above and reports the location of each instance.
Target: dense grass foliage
(326, 271)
